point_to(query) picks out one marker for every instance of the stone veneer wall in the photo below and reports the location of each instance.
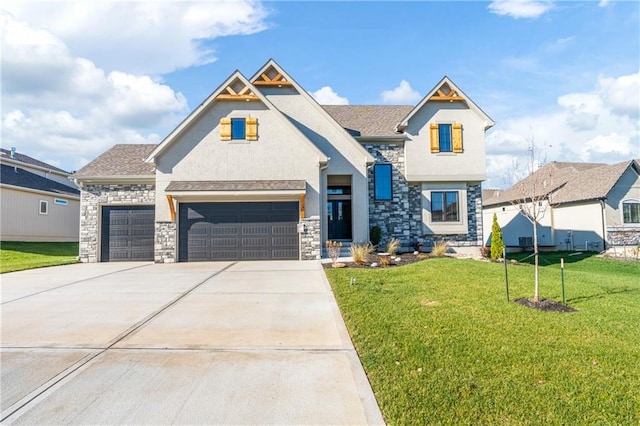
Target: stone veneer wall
(474, 223)
(165, 242)
(93, 197)
(401, 217)
(623, 237)
(310, 245)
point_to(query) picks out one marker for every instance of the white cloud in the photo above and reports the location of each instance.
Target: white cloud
(142, 37)
(403, 94)
(604, 3)
(598, 126)
(79, 77)
(326, 96)
(521, 8)
(62, 108)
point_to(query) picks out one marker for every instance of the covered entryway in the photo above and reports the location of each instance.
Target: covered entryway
(127, 233)
(238, 231)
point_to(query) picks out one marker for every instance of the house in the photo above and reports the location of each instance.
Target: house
(260, 170)
(590, 206)
(37, 202)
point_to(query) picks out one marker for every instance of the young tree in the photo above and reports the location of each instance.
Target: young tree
(497, 245)
(533, 197)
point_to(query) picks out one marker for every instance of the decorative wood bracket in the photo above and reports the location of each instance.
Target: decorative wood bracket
(445, 93)
(271, 77)
(172, 207)
(237, 92)
(302, 206)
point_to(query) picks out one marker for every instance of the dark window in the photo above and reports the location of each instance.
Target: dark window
(631, 212)
(444, 137)
(444, 206)
(238, 128)
(339, 190)
(382, 181)
(44, 207)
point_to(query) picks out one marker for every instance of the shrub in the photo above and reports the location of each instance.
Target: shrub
(392, 246)
(375, 235)
(333, 249)
(440, 248)
(497, 245)
(485, 252)
(360, 252)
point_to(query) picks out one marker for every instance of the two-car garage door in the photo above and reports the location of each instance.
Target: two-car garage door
(208, 231)
(238, 231)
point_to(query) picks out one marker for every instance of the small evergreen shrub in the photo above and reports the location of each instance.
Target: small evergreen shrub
(375, 235)
(497, 245)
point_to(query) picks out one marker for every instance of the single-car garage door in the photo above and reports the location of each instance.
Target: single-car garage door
(127, 233)
(238, 231)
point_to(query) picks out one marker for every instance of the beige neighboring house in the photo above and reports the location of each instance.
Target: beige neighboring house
(590, 206)
(38, 202)
(260, 170)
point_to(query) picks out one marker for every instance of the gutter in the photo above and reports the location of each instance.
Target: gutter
(79, 180)
(604, 235)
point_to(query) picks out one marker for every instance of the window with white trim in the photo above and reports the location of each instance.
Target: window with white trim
(445, 206)
(44, 207)
(631, 211)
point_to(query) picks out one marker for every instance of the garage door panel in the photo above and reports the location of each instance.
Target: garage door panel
(127, 233)
(238, 231)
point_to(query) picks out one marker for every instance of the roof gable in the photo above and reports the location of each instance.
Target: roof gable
(446, 91)
(272, 67)
(236, 87)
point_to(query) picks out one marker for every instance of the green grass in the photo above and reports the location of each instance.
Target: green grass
(441, 345)
(17, 256)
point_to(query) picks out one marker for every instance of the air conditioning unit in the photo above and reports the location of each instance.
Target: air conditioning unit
(525, 241)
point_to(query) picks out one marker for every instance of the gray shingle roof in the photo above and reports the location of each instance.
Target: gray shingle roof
(120, 160)
(369, 120)
(237, 185)
(25, 179)
(570, 182)
(30, 160)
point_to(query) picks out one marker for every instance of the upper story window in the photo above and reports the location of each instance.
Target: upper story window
(238, 128)
(444, 206)
(382, 178)
(631, 211)
(446, 137)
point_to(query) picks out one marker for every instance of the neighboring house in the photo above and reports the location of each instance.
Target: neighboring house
(590, 206)
(38, 202)
(260, 170)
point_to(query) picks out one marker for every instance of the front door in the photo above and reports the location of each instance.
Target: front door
(339, 219)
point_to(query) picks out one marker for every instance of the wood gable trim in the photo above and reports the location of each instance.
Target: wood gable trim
(271, 77)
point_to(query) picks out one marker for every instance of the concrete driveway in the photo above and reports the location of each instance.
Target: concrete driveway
(197, 343)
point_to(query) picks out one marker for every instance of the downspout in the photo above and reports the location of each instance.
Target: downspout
(604, 235)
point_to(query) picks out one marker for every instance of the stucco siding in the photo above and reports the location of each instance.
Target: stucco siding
(422, 165)
(280, 153)
(20, 219)
(515, 225)
(346, 158)
(627, 188)
(578, 226)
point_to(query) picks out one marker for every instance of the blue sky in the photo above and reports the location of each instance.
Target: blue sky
(79, 77)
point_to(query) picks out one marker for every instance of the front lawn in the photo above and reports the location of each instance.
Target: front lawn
(440, 344)
(17, 256)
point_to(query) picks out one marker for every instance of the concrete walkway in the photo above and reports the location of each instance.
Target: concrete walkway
(198, 343)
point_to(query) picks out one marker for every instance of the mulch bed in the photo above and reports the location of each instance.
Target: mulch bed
(407, 258)
(545, 305)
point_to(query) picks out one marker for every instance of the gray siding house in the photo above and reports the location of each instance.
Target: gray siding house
(37, 200)
(260, 170)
